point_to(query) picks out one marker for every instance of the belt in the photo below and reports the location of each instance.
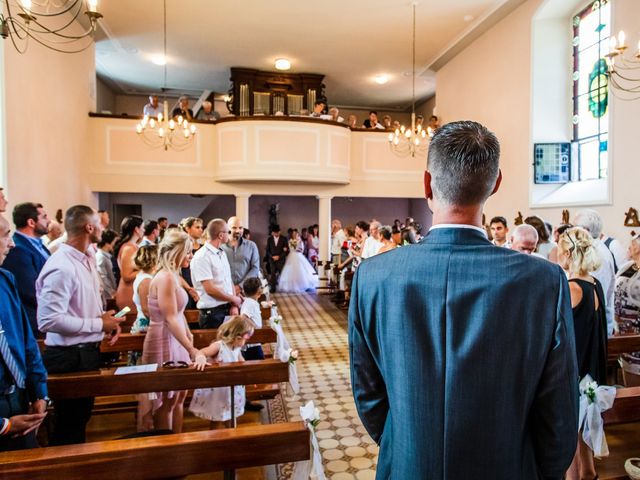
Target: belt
(212, 309)
(88, 345)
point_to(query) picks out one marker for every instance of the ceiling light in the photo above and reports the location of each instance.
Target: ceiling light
(381, 79)
(159, 59)
(282, 64)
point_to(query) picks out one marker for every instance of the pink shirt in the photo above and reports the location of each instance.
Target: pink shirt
(69, 301)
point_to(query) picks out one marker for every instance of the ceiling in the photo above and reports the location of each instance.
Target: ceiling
(349, 41)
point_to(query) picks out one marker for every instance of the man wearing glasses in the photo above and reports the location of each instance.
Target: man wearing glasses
(211, 276)
(242, 254)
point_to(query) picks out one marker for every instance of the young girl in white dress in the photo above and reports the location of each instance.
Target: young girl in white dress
(214, 404)
(297, 274)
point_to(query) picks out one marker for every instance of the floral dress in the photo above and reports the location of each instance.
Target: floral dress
(215, 403)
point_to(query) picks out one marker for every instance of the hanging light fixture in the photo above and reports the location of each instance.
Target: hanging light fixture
(411, 141)
(50, 23)
(164, 131)
(623, 71)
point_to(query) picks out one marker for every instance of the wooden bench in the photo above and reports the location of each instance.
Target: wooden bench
(166, 456)
(105, 383)
(619, 344)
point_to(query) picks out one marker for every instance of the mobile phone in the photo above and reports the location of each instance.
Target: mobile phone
(122, 312)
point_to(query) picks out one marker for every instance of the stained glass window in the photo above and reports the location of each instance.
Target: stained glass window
(591, 32)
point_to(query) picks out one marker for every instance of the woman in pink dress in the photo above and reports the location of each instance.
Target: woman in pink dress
(168, 338)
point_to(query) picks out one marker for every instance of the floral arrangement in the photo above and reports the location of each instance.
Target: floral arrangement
(293, 355)
(293, 243)
(310, 414)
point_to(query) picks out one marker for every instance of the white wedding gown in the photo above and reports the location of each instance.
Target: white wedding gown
(297, 275)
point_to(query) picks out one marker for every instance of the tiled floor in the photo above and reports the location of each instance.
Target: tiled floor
(318, 329)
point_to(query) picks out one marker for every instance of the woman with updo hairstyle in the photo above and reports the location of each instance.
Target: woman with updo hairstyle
(386, 237)
(124, 251)
(578, 256)
(168, 340)
(545, 245)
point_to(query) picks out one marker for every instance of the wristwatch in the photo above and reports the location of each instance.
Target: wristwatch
(47, 400)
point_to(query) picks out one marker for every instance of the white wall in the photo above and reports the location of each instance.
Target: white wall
(491, 82)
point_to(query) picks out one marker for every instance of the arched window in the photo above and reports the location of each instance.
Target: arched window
(591, 32)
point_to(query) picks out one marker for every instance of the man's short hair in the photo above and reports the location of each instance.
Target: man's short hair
(215, 227)
(76, 217)
(318, 102)
(525, 231)
(375, 225)
(23, 212)
(588, 219)
(374, 112)
(363, 225)
(464, 163)
(108, 236)
(207, 103)
(251, 286)
(150, 226)
(499, 219)
(162, 219)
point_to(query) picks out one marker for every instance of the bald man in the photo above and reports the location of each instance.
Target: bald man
(242, 254)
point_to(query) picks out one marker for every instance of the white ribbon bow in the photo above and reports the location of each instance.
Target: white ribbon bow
(310, 470)
(594, 399)
(283, 352)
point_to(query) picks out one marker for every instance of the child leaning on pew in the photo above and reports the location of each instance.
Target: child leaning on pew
(251, 308)
(214, 404)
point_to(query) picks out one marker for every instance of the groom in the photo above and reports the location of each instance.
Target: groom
(277, 250)
(463, 361)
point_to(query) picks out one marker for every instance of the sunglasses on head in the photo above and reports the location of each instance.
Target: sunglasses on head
(173, 364)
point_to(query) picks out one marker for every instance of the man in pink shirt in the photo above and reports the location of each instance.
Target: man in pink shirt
(70, 313)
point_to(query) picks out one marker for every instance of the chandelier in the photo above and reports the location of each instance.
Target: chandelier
(50, 23)
(411, 140)
(165, 131)
(623, 72)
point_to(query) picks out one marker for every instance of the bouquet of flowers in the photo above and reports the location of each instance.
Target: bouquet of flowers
(293, 244)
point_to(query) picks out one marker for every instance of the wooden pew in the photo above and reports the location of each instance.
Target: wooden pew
(105, 383)
(626, 407)
(201, 338)
(620, 344)
(166, 456)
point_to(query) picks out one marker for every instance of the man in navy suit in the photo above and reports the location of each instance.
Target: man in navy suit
(463, 361)
(29, 255)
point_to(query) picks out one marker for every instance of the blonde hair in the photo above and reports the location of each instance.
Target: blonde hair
(173, 249)
(146, 257)
(583, 256)
(234, 328)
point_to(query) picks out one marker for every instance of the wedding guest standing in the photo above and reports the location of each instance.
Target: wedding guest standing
(277, 250)
(28, 257)
(23, 378)
(627, 309)
(70, 313)
(104, 261)
(168, 338)
(131, 231)
(482, 337)
(211, 276)
(578, 256)
(243, 255)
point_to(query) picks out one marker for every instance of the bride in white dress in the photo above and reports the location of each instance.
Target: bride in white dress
(297, 275)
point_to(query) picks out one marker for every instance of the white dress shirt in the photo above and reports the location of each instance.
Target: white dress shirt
(371, 247)
(607, 278)
(211, 263)
(251, 308)
(336, 242)
(458, 225)
(69, 302)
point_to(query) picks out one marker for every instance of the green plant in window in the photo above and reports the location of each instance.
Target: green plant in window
(598, 89)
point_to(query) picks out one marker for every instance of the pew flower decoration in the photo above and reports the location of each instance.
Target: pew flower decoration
(276, 319)
(293, 356)
(304, 470)
(594, 399)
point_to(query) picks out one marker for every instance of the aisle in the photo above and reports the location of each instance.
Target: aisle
(319, 330)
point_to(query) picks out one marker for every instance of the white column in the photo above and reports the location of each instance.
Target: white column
(242, 208)
(324, 222)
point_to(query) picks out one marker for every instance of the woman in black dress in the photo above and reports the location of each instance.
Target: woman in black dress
(577, 255)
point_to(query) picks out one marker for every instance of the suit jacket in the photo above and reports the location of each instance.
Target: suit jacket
(279, 250)
(463, 361)
(25, 262)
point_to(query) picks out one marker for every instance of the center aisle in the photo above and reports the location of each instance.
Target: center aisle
(318, 330)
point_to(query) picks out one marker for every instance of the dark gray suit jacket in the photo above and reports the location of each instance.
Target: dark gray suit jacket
(463, 361)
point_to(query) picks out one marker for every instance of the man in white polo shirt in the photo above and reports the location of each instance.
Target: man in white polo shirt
(211, 277)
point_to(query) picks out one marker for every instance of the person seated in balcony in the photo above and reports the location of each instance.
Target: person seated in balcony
(419, 121)
(153, 108)
(183, 109)
(386, 122)
(372, 121)
(318, 109)
(395, 125)
(335, 114)
(434, 124)
(352, 121)
(207, 112)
